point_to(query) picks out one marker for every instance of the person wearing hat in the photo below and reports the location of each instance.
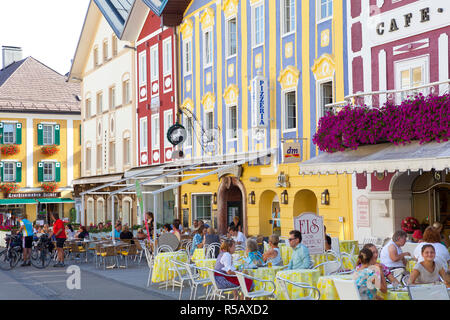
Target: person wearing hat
(417, 236)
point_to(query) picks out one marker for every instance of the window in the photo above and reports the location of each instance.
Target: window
(112, 154)
(47, 134)
(126, 151)
(411, 73)
(142, 68)
(168, 122)
(88, 159)
(202, 207)
(95, 57)
(167, 55)
(325, 9)
(155, 131)
(209, 120)
(258, 24)
(112, 98)
(105, 51)
(290, 111)
(88, 107)
(288, 16)
(325, 96)
(49, 171)
(99, 157)
(9, 133)
(9, 171)
(189, 130)
(100, 211)
(231, 40)
(187, 56)
(154, 64)
(114, 45)
(126, 98)
(99, 102)
(143, 134)
(232, 123)
(207, 48)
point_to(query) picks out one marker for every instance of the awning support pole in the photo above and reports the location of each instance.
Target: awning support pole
(113, 224)
(154, 224)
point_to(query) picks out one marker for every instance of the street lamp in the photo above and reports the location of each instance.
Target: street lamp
(185, 198)
(284, 197)
(215, 198)
(325, 197)
(251, 198)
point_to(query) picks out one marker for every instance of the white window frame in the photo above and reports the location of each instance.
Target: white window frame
(154, 63)
(209, 131)
(126, 151)
(126, 92)
(187, 43)
(283, 17)
(112, 97)
(194, 204)
(320, 111)
(211, 55)
(88, 107)
(285, 114)
(155, 131)
(167, 56)
(99, 106)
(142, 68)
(409, 64)
(52, 163)
(229, 129)
(143, 134)
(112, 155)
(14, 165)
(321, 19)
(188, 122)
(14, 125)
(52, 130)
(88, 159)
(99, 159)
(254, 7)
(167, 125)
(227, 38)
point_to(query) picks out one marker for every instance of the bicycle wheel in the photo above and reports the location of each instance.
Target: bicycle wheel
(5, 260)
(42, 260)
(16, 256)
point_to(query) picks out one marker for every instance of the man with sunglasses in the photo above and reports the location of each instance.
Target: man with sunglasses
(300, 255)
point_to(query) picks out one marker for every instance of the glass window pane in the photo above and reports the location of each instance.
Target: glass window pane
(417, 77)
(405, 81)
(8, 133)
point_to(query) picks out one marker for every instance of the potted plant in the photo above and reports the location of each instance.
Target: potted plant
(9, 187)
(10, 149)
(49, 186)
(49, 149)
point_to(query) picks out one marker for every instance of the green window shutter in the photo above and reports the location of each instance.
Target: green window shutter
(18, 133)
(40, 134)
(18, 171)
(1, 170)
(57, 171)
(1, 132)
(40, 171)
(56, 131)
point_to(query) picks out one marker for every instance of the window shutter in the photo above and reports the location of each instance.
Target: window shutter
(18, 133)
(56, 131)
(1, 170)
(18, 171)
(40, 171)
(40, 134)
(1, 132)
(57, 171)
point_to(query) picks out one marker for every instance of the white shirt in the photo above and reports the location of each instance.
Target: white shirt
(227, 261)
(386, 259)
(442, 254)
(240, 238)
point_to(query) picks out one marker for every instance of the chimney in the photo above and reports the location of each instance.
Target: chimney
(10, 55)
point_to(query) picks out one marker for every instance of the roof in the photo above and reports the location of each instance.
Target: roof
(382, 157)
(30, 86)
(171, 11)
(116, 12)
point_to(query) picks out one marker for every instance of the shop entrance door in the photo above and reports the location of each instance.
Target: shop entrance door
(234, 208)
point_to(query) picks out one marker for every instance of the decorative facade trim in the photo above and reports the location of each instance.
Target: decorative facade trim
(324, 67)
(289, 78)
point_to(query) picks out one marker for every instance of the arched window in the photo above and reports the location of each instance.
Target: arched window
(126, 211)
(100, 211)
(90, 212)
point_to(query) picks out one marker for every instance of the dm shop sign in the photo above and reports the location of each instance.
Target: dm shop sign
(311, 227)
(291, 152)
(31, 195)
(259, 102)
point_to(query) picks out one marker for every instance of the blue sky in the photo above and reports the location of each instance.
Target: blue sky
(47, 30)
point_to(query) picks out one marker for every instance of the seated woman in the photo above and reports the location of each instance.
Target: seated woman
(387, 274)
(253, 257)
(392, 255)
(429, 270)
(126, 234)
(273, 255)
(224, 264)
(141, 235)
(431, 236)
(197, 241)
(69, 232)
(369, 277)
(82, 233)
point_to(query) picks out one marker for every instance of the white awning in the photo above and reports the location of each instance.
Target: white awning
(382, 157)
(98, 179)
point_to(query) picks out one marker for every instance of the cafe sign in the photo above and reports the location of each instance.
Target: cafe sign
(259, 106)
(32, 195)
(311, 227)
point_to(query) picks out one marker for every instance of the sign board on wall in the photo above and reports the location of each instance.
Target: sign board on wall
(362, 212)
(259, 102)
(311, 227)
(292, 152)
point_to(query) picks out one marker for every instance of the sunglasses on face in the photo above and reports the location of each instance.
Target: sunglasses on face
(292, 239)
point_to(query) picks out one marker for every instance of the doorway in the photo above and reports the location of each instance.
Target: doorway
(231, 202)
(234, 204)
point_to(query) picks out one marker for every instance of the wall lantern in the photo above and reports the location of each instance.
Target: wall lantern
(185, 198)
(215, 198)
(284, 197)
(325, 197)
(251, 198)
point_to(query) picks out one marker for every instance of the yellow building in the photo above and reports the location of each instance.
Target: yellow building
(40, 140)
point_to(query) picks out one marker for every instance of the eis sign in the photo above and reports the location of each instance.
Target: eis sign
(259, 102)
(311, 227)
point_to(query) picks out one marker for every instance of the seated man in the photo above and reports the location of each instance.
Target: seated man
(300, 255)
(238, 237)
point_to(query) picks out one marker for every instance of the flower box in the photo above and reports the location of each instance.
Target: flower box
(10, 149)
(49, 149)
(9, 187)
(49, 186)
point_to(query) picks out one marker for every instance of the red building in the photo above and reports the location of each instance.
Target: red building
(156, 86)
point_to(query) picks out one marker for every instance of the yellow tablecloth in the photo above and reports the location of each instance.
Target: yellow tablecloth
(410, 264)
(394, 295)
(205, 263)
(347, 246)
(199, 253)
(265, 273)
(162, 264)
(301, 275)
(286, 254)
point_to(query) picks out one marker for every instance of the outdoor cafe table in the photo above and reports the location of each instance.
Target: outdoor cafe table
(265, 273)
(162, 264)
(211, 263)
(308, 276)
(199, 254)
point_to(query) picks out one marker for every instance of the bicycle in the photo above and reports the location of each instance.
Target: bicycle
(41, 254)
(10, 257)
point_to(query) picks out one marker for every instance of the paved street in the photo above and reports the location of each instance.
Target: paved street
(30, 283)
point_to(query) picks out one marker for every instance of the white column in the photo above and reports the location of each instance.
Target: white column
(30, 144)
(443, 61)
(382, 75)
(70, 152)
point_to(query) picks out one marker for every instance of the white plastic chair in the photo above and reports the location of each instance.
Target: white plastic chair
(216, 291)
(179, 267)
(149, 258)
(211, 250)
(347, 289)
(428, 292)
(254, 294)
(335, 245)
(329, 267)
(164, 248)
(410, 247)
(314, 293)
(372, 240)
(195, 279)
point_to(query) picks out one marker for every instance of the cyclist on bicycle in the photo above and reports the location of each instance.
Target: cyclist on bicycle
(60, 235)
(26, 227)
